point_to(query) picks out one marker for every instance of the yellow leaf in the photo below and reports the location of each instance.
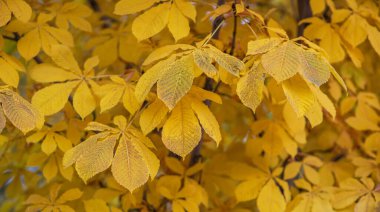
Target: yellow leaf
(175, 81)
(338, 78)
(349, 191)
(90, 64)
(367, 203)
(317, 6)
(95, 205)
(181, 132)
(29, 45)
(20, 9)
(204, 62)
(149, 78)
(250, 89)
(49, 145)
(130, 102)
(299, 95)
(203, 95)
(50, 170)
(207, 119)
(354, 28)
(70, 195)
(352, 4)
(129, 167)
(175, 165)
(83, 100)
(152, 116)
(64, 58)
(178, 24)
(249, 190)
(373, 37)
(125, 7)
(60, 35)
(270, 198)
(314, 114)
(107, 52)
(296, 125)
(340, 15)
(20, 112)
(347, 104)
(228, 62)
(330, 40)
(311, 174)
(8, 74)
(5, 14)
(262, 46)
(186, 9)
(48, 73)
(151, 22)
(92, 156)
(63, 143)
(325, 101)
(150, 158)
(113, 94)
(53, 98)
(315, 68)
(292, 170)
(75, 13)
(36, 199)
(165, 51)
(283, 61)
(360, 123)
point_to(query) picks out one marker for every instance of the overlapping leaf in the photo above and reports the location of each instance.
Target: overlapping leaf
(131, 164)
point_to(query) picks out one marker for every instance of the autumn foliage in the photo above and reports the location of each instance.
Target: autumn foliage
(189, 105)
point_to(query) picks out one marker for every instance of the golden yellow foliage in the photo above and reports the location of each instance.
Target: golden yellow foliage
(187, 105)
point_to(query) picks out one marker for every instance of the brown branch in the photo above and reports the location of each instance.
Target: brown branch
(304, 11)
(234, 31)
(94, 5)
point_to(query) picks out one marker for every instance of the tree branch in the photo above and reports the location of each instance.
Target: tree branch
(94, 5)
(233, 42)
(304, 11)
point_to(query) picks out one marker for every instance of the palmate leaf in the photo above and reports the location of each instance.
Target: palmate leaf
(181, 132)
(300, 68)
(156, 17)
(174, 76)
(19, 8)
(70, 77)
(131, 165)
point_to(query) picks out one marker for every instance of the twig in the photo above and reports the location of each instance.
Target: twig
(94, 5)
(304, 11)
(234, 31)
(10, 38)
(214, 33)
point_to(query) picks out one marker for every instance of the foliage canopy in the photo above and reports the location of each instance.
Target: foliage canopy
(188, 105)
